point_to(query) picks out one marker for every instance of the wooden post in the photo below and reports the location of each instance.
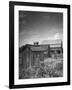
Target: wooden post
(61, 47)
(30, 59)
(49, 51)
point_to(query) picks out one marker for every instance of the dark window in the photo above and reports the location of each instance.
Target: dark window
(52, 51)
(58, 51)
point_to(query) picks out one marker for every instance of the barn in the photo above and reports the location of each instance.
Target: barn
(34, 55)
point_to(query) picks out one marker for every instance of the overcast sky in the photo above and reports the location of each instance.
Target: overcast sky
(39, 26)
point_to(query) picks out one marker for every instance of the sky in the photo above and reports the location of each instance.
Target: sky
(39, 27)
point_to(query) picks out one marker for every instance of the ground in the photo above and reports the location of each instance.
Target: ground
(52, 67)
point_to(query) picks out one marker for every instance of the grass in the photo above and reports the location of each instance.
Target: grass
(52, 67)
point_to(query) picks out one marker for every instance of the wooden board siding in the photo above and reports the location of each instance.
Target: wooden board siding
(31, 55)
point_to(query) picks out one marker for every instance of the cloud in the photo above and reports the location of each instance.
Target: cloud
(57, 36)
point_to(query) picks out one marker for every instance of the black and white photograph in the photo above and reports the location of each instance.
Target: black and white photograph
(39, 45)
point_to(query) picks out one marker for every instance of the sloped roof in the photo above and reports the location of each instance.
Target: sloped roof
(55, 45)
(39, 48)
(58, 41)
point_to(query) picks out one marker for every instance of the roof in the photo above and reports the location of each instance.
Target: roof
(39, 48)
(58, 41)
(55, 45)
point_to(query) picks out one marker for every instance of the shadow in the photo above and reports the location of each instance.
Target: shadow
(7, 86)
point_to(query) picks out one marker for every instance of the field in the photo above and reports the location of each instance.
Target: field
(51, 67)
